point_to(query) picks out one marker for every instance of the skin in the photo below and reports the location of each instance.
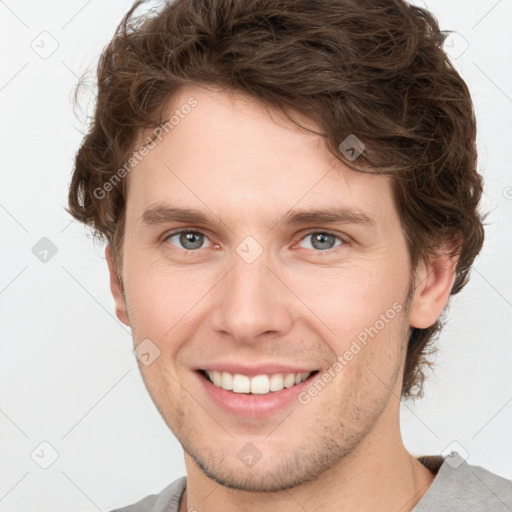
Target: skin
(296, 304)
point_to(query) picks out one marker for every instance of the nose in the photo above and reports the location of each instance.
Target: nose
(253, 301)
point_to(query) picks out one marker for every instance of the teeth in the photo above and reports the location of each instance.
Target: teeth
(226, 381)
(217, 378)
(289, 380)
(258, 385)
(276, 382)
(241, 383)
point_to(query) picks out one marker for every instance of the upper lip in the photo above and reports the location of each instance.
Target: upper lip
(252, 371)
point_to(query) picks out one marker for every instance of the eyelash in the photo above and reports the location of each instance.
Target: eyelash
(189, 252)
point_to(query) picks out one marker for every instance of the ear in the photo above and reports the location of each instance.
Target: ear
(434, 281)
(116, 288)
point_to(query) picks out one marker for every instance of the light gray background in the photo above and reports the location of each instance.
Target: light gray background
(68, 374)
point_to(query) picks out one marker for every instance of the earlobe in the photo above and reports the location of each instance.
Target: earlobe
(434, 282)
(116, 288)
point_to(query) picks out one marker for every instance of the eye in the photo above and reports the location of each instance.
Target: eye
(323, 240)
(188, 240)
(194, 240)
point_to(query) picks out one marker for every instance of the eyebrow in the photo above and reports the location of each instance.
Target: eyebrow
(164, 214)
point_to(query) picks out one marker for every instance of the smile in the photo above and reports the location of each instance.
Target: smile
(257, 385)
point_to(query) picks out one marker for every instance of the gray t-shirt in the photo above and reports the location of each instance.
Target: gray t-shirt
(457, 487)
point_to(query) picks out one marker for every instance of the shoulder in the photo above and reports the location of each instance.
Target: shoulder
(461, 487)
(167, 500)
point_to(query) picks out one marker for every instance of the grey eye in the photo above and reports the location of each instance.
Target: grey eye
(322, 241)
(189, 240)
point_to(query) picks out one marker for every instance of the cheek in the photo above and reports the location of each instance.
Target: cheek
(369, 355)
(349, 300)
(163, 298)
(162, 302)
(360, 313)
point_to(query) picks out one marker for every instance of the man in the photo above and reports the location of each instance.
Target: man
(289, 194)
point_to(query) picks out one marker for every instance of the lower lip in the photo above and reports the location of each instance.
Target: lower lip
(253, 406)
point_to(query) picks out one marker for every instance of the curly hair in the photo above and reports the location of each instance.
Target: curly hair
(375, 69)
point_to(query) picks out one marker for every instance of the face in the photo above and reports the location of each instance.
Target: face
(251, 251)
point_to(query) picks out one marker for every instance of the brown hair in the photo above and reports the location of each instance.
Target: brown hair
(370, 68)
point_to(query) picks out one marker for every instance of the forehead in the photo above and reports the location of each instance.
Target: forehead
(228, 151)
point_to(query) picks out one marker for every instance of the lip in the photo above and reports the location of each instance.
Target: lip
(254, 406)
